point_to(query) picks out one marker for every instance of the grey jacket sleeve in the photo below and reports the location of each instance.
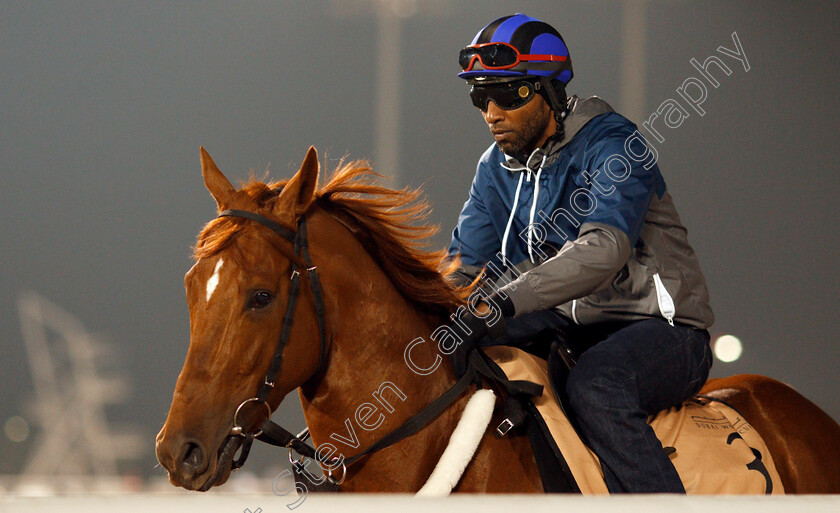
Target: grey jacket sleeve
(581, 267)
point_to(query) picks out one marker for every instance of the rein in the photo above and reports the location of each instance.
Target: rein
(271, 433)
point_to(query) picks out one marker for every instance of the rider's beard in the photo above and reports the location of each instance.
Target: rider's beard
(523, 141)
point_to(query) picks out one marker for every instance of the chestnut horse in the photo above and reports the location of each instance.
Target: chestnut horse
(380, 296)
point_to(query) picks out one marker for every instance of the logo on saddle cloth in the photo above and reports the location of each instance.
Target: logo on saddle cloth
(716, 450)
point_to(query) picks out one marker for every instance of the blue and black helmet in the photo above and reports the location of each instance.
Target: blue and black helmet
(517, 45)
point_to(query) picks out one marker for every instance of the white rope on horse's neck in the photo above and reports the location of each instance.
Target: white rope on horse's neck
(462, 445)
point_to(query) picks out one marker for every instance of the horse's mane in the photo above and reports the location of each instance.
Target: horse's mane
(390, 226)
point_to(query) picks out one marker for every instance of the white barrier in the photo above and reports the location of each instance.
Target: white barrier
(357, 503)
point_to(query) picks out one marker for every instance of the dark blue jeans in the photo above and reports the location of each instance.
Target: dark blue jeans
(626, 372)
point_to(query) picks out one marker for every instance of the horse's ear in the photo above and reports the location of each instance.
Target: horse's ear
(299, 192)
(215, 181)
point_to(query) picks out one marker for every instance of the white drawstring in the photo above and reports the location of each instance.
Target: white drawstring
(521, 167)
(512, 214)
(528, 162)
(534, 209)
(523, 170)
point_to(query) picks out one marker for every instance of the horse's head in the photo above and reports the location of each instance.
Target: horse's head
(237, 292)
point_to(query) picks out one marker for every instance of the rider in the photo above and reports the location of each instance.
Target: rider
(570, 206)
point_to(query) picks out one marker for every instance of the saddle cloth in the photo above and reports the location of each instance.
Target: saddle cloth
(717, 451)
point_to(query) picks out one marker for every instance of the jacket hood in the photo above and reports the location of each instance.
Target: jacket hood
(579, 114)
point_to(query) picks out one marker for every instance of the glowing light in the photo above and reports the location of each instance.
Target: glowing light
(728, 348)
(17, 429)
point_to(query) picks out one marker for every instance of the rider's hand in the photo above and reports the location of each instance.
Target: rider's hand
(472, 326)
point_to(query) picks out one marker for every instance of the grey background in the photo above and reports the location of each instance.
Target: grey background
(103, 106)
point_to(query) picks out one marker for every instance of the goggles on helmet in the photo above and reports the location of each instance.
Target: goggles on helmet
(506, 95)
(496, 56)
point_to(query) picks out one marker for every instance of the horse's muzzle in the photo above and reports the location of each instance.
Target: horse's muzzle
(189, 462)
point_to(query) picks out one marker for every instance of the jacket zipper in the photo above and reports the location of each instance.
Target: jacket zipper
(666, 303)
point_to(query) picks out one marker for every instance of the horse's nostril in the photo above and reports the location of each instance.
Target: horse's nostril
(193, 458)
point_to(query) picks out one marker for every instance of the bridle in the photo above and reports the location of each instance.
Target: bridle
(301, 251)
(272, 433)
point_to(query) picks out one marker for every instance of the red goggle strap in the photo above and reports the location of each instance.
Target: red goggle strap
(519, 57)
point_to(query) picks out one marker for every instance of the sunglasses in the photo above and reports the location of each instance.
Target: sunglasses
(506, 95)
(496, 56)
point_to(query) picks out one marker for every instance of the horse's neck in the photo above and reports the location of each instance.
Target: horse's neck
(368, 388)
(368, 370)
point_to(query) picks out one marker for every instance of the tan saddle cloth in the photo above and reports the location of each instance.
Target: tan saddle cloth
(717, 451)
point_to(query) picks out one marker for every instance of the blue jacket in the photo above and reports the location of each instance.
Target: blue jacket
(585, 225)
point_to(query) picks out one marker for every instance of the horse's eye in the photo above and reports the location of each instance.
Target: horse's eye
(260, 299)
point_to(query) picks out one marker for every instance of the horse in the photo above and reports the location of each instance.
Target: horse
(375, 293)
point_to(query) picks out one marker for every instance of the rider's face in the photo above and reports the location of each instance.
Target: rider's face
(523, 129)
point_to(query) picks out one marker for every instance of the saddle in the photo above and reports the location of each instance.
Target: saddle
(714, 449)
